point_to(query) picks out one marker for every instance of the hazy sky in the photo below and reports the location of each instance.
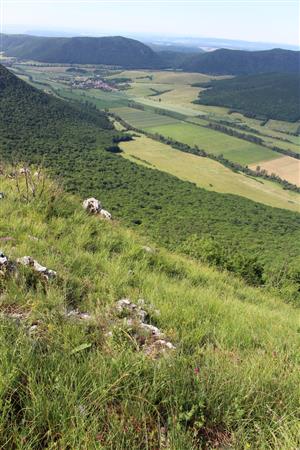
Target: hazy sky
(253, 20)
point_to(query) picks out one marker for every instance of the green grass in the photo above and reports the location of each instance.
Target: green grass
(207, 173)
(212, 141)
(143, 119)
(243, 342)
(283, 126)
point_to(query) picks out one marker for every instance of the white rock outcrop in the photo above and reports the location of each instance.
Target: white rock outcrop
(92, 205)
(150, 339)
(42, 270)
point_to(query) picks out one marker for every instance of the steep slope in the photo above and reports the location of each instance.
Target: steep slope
(227, 230)
(239, 62)
(271, 96)
(75, 375)
(116, 50)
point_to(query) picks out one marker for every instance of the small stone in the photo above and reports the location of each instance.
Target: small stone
(76, 314)
(148, 249)
(33, 238)
(159, 348)
(24, 170)
(151, 329)
(105, 214)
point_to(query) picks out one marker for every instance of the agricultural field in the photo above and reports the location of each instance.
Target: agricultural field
(285, 127)
(165, 77)
(148, 89)
(286, 167)
(143, 119)
(207, 173)
(212, 141)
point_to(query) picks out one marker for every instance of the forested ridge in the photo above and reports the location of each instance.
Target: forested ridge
(241, 62)
(243, 236)
(110, 50)
(266, 96)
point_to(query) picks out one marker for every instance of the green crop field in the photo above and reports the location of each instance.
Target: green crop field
(279, 125)
(207, 173)
(212, 141)
(143, 119)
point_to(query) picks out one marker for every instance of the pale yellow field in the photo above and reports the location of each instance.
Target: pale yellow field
(138, 89)
(180, 95)
(182, 78)
(165, 77)
(207, 173)
(286, 167)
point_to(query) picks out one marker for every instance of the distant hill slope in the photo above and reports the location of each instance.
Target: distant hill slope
(116, 50)
(230, 231)
(239, 62)
(271, 96)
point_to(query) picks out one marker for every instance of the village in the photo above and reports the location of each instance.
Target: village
(92, 83)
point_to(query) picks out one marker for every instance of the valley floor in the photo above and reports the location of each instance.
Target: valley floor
(172, 95)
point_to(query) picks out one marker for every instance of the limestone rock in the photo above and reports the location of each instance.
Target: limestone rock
(30, 262)
(126, 308)
(92, 205)
(149, 338)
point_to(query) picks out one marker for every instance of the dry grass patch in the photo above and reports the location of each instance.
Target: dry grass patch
(286, 167)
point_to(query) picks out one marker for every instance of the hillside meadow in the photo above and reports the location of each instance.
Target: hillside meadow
(231, 382)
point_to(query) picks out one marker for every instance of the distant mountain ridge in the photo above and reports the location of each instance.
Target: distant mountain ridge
(241, 62)
(116, 50)
(132, 54)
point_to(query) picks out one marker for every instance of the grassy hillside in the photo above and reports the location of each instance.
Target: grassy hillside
(72, 142)
(115, 50)
(238, 62)
(66, 382)
(269, 96)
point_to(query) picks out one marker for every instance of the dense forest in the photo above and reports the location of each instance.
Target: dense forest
(239, 62)
(265, 96)
(115, 50)
(235, 233)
